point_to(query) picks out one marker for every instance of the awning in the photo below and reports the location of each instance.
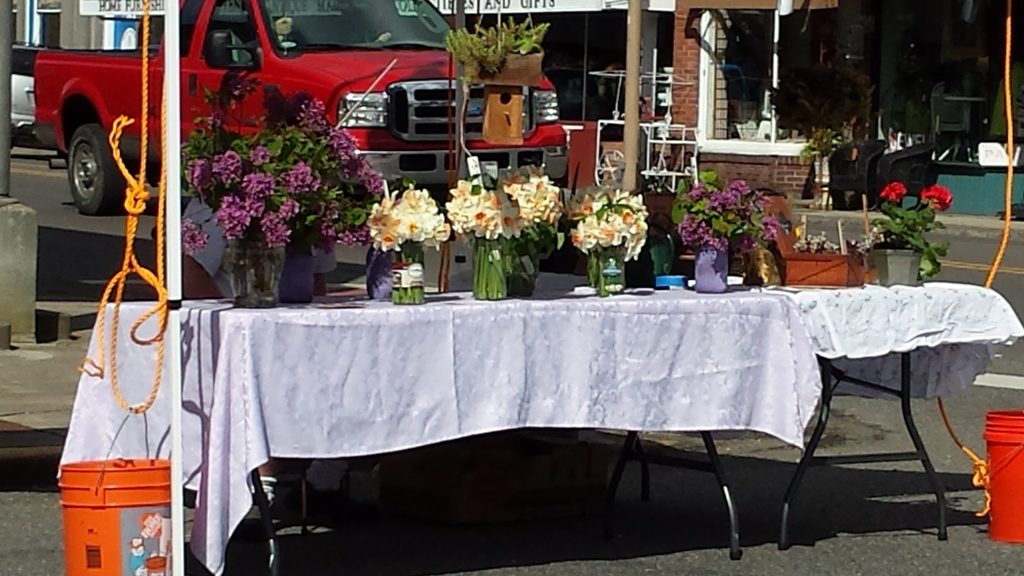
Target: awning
(550, 7)
(755, 4)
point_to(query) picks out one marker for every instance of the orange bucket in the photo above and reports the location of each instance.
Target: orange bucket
(1004, 433)
(117, 517)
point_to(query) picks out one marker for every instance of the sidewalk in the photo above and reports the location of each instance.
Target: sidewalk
(982, 227)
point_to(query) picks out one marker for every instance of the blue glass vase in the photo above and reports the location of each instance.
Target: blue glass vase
(296, 286)
(378, 274)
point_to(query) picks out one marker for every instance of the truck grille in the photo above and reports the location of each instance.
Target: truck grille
(420, 110)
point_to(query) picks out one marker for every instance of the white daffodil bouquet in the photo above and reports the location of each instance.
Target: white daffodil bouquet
(406, 225)
(605, 220)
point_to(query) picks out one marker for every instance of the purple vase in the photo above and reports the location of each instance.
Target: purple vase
(378, 274)
(711, 271)
(296, 285)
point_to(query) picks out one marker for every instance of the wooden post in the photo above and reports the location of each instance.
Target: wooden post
(631, 131)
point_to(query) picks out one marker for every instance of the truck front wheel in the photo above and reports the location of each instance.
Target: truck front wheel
(97, 187)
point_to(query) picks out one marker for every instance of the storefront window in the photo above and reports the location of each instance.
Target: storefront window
(745, 56)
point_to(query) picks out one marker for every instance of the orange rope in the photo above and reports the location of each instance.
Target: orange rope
(136, 197)
(982, 477)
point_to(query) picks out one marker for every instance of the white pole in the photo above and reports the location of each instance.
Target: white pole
(785, 7)
(172, 164)
(776, 35)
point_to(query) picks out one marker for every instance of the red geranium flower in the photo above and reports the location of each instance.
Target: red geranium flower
(894, 192)
(938, 196)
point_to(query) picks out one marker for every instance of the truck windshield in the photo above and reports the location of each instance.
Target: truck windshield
(307, 25)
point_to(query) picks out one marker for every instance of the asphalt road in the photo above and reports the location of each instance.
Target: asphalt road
(865, 520)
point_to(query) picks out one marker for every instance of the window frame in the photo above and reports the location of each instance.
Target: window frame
(705, 100)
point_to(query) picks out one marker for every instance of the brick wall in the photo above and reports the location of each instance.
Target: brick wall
(783, 174)
(686, 65)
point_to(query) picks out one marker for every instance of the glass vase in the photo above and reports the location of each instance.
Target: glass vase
(593, 270)
(489, 282)
(407, 274)
(611, 264)
(255, 271)
(521, 275)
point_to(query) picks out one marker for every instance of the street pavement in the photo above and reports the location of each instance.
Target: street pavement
(877, 519)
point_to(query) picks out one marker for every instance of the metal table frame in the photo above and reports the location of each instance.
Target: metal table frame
(831, 377)
(633, 449)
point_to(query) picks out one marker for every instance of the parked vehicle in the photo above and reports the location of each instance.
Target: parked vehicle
(23, 104)
(333, 50)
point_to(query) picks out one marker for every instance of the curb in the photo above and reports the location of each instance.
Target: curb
(980, 227)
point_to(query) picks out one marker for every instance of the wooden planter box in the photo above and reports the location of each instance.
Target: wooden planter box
(803, 269)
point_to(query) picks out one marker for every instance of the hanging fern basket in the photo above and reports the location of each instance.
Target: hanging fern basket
(518, 70)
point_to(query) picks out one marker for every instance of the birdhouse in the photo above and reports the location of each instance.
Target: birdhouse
(503, 115)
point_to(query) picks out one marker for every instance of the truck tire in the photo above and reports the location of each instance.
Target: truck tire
(97, 186)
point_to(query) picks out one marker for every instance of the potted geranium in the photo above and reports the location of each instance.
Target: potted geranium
(292, 184)
(540, 209)
(489, 218)
(901, 252)
(406, 225)
(610, 228)
(715, 220)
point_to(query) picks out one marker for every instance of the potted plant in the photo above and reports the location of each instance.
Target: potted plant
(508, 54)
(829, 105)
(292, 184)
(901, 252)
(715, 220)
(813, 260)
(540, 210)
(504, 58)
(610, 227)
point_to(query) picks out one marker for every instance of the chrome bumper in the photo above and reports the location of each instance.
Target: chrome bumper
(431, 167)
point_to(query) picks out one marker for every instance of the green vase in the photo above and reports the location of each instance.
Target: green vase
(407, 274)
(489, 281)
(610, 264)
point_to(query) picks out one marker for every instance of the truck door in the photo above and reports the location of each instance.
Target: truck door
(228, 52)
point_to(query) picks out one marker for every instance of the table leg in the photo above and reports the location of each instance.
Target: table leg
(808, 457)
(735, 552)
(915, 437)
(632, 438)
(267, 520)
(645, 471)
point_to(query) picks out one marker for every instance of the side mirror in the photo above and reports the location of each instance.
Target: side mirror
(222, 52)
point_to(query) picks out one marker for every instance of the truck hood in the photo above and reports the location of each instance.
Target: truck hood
(355, 70)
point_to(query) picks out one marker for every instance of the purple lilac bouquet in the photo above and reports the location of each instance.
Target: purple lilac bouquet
(296, 180)
(722, 217)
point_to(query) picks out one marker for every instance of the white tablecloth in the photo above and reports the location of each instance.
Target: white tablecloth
(950, 330)
(319, 382)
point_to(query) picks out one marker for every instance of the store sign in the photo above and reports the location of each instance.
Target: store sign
(521, 6)
(110, 8)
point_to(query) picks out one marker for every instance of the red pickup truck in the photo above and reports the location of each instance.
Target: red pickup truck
(333, 49)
